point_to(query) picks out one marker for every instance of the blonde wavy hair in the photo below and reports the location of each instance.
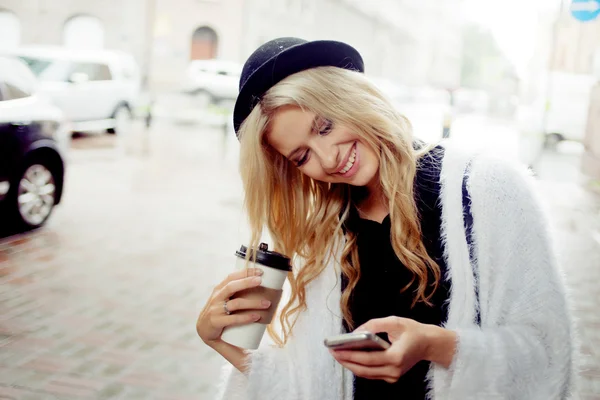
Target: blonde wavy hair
(304, 217)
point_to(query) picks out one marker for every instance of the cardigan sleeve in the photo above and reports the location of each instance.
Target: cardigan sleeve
(303, 368)
(270, 376)
(523, 348)
(270, 373)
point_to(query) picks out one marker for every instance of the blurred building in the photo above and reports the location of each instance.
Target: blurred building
(576, 45)
(410, 42)
(577, 51)
(162, 35)
(186, 30)
(113, 24)
(437, 30)
(565, 73)
(77, 24)
(563, 45)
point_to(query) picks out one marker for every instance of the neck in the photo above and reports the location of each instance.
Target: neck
(371, 202)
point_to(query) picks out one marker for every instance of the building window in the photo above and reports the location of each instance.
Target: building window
(83, 32)
(10, 30)
(204, 44)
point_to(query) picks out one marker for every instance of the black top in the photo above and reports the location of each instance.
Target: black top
(378, 291)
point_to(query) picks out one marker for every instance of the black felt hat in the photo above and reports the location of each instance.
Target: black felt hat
(282, 57)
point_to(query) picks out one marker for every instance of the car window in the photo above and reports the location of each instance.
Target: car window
(103, 73)
(62, 70)
(13, 92)
(48, 69)
(16, 80)
(35, 64)
(94, 71)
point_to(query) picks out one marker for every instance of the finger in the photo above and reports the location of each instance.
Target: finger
(367, 358)
(241, 274)
(377, 325)
(247, 304)
(236, 286)
(223, 321)
(385, 373)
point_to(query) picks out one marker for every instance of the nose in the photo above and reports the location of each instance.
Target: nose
(329, 156)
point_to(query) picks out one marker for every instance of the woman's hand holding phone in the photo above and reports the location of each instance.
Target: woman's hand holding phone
(411, 342)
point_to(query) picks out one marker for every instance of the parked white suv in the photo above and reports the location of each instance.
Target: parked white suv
(213, 81)
(96, 89)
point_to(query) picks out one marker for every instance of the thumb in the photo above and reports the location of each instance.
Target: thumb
(377, 325)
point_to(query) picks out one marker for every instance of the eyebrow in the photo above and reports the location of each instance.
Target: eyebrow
(313, 126)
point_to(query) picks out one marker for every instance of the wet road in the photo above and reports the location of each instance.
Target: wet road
(102, 302)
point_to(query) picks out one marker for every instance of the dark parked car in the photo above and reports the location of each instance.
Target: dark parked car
(33, 140)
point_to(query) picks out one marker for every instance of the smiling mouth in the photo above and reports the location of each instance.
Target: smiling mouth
(350, 162)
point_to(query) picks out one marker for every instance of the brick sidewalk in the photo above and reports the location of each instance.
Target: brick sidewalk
(576, 219)
(102, 302)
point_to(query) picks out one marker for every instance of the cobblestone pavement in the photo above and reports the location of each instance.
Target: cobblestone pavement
(101, 303)
(575, 217)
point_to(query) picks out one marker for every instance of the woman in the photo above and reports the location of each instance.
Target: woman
(445, 254)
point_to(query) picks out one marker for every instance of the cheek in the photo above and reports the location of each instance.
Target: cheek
(371, 157)
(313, 170)
(370, 164)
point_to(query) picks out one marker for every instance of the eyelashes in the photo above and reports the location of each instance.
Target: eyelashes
(302, 160)
(324, 127)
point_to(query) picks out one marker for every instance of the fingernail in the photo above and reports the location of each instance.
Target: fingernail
(259, 272)
(258, 279)
(266, 303)
(255, 317)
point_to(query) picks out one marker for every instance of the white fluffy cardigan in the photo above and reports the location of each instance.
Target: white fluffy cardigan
(523, 348)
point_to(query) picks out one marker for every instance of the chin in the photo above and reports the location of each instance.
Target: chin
(363, 178)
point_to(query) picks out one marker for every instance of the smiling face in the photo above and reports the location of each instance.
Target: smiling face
(322, 150)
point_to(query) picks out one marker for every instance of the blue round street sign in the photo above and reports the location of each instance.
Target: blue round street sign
(585, 10)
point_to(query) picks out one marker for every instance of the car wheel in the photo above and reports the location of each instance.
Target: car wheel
(33, 195)
(123, 121)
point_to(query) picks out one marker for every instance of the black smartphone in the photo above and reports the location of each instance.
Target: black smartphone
(365, 341)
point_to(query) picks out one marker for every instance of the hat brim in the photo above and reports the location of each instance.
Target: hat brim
(319, 53)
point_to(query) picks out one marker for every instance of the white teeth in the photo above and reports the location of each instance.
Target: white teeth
(350, 162)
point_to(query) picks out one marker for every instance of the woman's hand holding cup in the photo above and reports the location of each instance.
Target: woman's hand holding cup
(220, 312)
(240, 308)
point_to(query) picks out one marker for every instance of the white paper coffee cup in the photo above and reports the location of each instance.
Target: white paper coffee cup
(275, 268)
